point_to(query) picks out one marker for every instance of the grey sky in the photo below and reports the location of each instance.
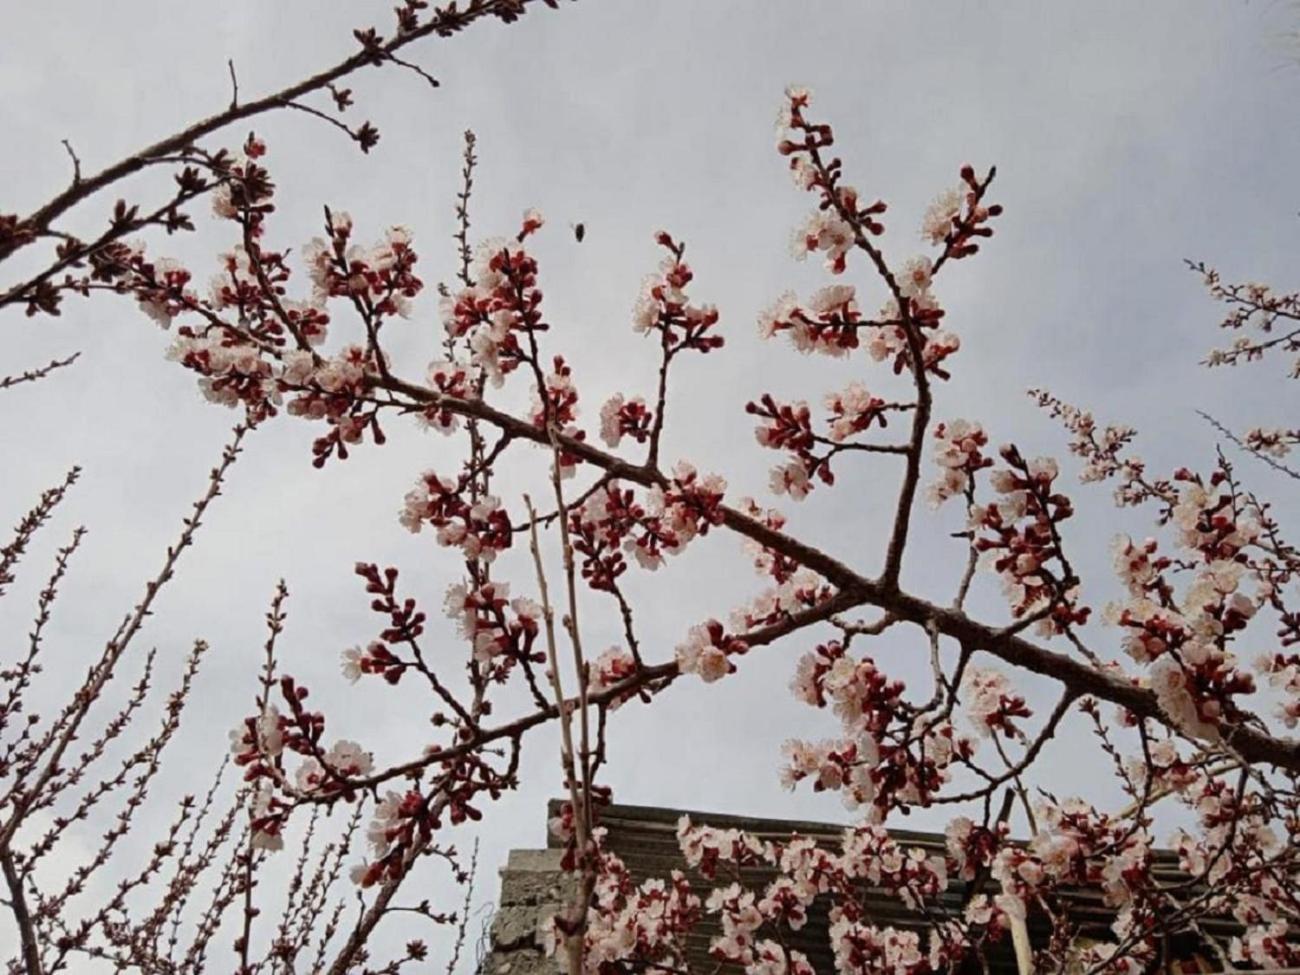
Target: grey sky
(1127, 137)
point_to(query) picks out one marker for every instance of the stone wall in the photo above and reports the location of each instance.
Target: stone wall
(532, 888)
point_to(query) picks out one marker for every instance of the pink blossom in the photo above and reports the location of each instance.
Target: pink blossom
(826, 232)
(939, 216)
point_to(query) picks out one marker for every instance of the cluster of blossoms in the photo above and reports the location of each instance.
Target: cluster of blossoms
(942, 215)
(834, 766)
(610, 668)
(405, 821)
(258, 736)
(1161, 767)
(833, 228)
(1191, 670)
(612, 521)
(1138, 566)
(690, 504)
(1207, 520)
(862, 947)
(499, 628)
(788, 427)
(906, 332)
(664, 307)
(958, 454)
(119, 264)
(375, 659)
(1242, 854)
(825, 232)
(991, 703)
(332, 390)
(1273, 441)
(449, 378)
(246, 187)
(639, 926)
(1022, 542)
(861, 695)
(853, 410)
(1270, 945)
(1233, 864)
(1184, 639)
(500, 314)
(801, 590)
(648, 925)
(912, 770)
(345, 759)
(708, 651)
(381, 278)
(555, 406)
(740, 919)
(267, 816)
(621, 418)
(957, 216)
(1077, 846)
(1103, 453)
(238, 287)
(1283, 672)
(828, 324)
(871, 854)
(327, 383)
(913, 317)
(480, 527)
(1179, 618)
(159, 286)
(558, 403)
(232, 370)
(768, 562)
(1273, 313)
(831, 321)
(397, 820)
(259, 744)
(272, 351)
(883, 760)
(1242, 349)
(971, 847)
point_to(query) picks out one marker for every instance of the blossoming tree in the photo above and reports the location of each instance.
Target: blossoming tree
(1181, 715)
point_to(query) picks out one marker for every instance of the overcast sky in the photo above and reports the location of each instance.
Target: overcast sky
(1127, 138)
